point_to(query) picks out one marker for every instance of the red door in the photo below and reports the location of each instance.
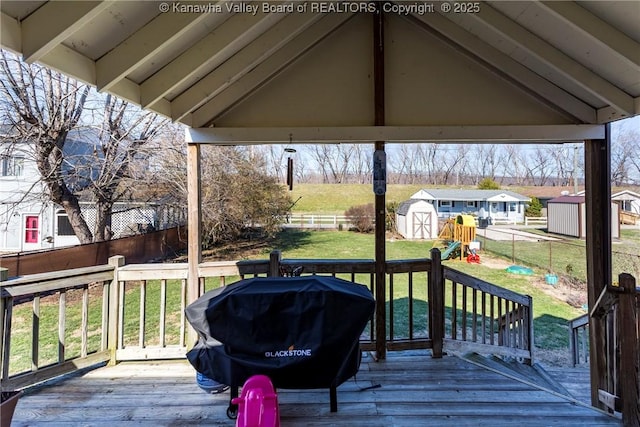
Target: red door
(31, 229)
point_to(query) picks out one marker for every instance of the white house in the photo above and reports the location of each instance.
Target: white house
(29, 221)
(629, 205)
(499, 205)
(629, 201)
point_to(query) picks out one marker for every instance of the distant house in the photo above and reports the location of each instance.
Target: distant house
(567, 215)
(629, 204)
(28, 221)
(629, 201)
(417, 219)
(499, 205)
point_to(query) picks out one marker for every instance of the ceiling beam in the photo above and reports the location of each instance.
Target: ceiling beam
(71, 63)
(208, 53)
(241, 63)
(273, 65)
(10, 34)
(581, 19)
(143, 44)
(561, 63)
(501, 63)
(368, 134)
(53, 22)
(609, 114)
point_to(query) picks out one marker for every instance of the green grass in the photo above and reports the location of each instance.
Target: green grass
(335, 199)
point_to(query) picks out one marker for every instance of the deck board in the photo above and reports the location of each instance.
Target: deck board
(415, 389)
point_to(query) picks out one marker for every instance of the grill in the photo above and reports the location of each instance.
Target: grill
(301, 332)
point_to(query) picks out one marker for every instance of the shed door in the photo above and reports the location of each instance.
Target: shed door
(421, 225)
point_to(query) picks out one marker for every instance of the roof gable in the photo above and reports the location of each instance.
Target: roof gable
(470, 195)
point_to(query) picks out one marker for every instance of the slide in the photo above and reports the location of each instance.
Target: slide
(450, 249)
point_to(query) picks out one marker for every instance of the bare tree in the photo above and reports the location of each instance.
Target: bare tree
(333, 161)
(121, 154)
(43, 107)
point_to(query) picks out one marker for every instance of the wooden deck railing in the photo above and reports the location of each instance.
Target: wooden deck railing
(618, 309)
(136, 312)
(49, 295)
(486, 318)
(579, 340)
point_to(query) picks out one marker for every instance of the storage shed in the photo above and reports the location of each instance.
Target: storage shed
(567, 215)
(417, 219)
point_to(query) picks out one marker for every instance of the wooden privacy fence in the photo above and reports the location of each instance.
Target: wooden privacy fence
(116, 311)
(616, 318)
(137, 249)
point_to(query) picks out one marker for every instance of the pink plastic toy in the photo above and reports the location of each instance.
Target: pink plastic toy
(257, 404)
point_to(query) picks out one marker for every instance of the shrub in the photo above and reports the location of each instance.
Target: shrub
(390, 223)
(534, 208)
(488, 184)
(361, 217)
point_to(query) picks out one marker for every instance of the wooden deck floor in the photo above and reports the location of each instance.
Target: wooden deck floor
(415, 390)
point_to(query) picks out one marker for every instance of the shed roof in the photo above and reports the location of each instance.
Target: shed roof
(568, 200)
(405, 206)
(504, 71)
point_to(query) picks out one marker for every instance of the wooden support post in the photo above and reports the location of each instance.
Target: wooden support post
(114, 300)
(598, 244)
(436, 303)
(380, 199)
(274, 263)
(629, 354)
(194, 246)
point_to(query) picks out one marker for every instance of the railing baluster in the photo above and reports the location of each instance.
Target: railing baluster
(104, 336)
(62, 325)
(500, 323)
(35, 332)
(454, 310)
(391, 307)
(163, 312)
(464, 313)
(143, 302)
(7, 321)
(183, 305)
(474, 320)
(410, 305)
(484, 318)
(85, 322)
(492, 321)
(121, 301)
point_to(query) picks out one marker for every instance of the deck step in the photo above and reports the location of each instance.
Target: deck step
(535, 374)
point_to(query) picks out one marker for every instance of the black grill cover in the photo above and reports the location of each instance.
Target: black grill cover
(302, 332)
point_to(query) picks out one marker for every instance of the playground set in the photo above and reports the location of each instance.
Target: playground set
(457, 239)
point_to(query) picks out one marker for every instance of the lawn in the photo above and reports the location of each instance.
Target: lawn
(335, 199)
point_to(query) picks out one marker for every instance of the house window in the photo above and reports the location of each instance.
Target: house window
(12, 165)
(472, 204)
(445, 203)
(64, 225)
(31, 229)
(512, 207)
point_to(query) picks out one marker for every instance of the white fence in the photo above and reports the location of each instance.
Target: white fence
(532, 220)
(315, 221)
